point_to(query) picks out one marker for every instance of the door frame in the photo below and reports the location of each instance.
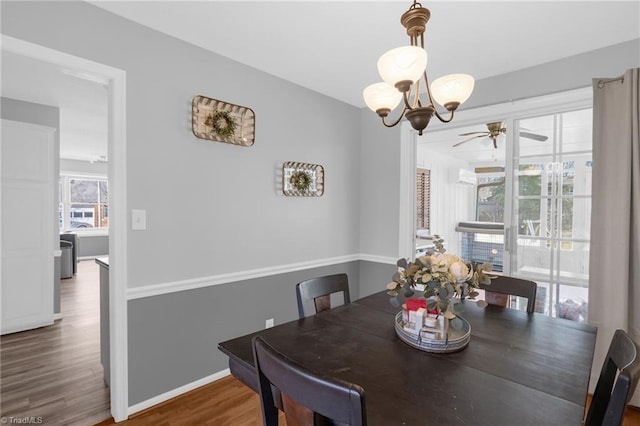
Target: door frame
(507, 111)
(115, 80)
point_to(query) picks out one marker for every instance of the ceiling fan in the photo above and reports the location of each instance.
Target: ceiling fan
(496, 129)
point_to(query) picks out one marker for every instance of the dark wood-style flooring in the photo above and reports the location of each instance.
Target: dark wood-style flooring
(54, 373)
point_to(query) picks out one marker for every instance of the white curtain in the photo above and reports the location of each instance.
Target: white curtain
(614, 264)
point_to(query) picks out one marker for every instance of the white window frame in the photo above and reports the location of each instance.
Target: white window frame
(65, 200)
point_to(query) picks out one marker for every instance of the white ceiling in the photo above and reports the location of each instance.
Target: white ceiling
(82, 103)
(332, 46)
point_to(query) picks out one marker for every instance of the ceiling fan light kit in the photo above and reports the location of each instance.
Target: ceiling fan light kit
(403, 69)
(495, 129)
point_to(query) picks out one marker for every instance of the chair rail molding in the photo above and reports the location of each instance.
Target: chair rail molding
(141, 292)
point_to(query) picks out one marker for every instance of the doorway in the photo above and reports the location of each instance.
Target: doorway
(560, 200)
(550, 210)
(115, 81)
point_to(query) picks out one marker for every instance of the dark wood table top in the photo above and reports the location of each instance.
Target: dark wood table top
(518, 369)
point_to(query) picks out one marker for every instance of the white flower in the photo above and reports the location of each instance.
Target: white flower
(460, 271)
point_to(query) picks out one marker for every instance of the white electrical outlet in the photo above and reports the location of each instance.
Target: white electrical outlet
(268, 323)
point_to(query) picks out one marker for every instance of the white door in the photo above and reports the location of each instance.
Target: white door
(28, 228)
(551, 211)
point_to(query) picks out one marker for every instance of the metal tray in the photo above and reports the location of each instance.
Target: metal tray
(455, 340)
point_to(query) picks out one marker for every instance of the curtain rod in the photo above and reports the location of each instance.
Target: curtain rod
(601, 83)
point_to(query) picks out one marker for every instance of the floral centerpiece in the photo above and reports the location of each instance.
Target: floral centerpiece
(445, 277)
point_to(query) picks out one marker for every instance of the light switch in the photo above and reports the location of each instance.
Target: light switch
(139, 220)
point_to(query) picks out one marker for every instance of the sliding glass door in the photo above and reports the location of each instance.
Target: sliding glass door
(547, 234)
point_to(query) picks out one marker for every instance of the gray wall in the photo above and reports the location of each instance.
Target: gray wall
(43, 115)
(374, 276)
(173, 338)
(93, 245)
(379, 186)
(210, 204)
(569, 73)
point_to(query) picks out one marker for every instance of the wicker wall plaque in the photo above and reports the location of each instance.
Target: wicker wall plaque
(302, 179)
(204, 108)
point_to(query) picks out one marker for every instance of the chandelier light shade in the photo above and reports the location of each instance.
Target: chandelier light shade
(402, 64)
(381, 96)
(403, 70)
(452, 88)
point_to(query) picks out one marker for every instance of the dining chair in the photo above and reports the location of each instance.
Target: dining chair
(305, 398)
(319, 290)
(511, 286)
(607, 407)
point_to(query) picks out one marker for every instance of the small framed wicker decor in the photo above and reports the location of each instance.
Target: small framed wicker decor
(220, 121)
(302, 179)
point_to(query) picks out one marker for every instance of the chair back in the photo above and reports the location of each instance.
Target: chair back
(320, 289)
(607, 406)
(514, 287)
(306, 398)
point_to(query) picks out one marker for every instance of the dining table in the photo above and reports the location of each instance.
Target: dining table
(518, 368)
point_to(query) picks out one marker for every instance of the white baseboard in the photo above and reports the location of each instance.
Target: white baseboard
(57, 316)
(177, 392)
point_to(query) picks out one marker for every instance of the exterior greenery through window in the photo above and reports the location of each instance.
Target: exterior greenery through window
(83, 203)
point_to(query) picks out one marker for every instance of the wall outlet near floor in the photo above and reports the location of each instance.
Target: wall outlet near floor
(268, 323)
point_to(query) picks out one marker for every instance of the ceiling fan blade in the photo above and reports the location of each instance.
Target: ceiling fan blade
(473, 133)
(469, 139)
(534, 136)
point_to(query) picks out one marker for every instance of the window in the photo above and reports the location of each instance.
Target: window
(83, 203)
(490, 198)
(423, 188)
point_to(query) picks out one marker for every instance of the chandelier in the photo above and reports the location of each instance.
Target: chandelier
(402, 69)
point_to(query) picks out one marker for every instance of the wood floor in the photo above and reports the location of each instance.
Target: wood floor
(225, 402)
(228, 402)
(54, 372)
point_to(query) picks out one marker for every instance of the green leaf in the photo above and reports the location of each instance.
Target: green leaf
(432, 305)
(443, 293)
(393, 293)
(408, 292)
(473, 294)
(450, 289)
(396, 277)
(402, 263)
